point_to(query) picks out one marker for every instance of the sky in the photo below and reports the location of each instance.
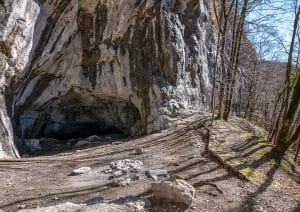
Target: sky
(270, 28)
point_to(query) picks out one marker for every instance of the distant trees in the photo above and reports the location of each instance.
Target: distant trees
(245, 82)
(222, 11)
(238, 32)
(230, 19)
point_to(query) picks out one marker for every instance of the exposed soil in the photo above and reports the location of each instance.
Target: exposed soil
(45, 180)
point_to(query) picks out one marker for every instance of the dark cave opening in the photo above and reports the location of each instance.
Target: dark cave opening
(83, 130)
(63, 125)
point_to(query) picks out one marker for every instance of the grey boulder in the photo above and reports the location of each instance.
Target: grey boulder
(174, 189)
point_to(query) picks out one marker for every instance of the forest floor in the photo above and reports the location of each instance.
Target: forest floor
(44, 180)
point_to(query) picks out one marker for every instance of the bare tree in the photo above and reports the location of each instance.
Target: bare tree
(287, 127)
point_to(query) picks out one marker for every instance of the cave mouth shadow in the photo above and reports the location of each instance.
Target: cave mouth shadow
(62, 126)
(84, 130)
(86, 137)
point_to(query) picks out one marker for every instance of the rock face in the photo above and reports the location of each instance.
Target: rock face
(89, 67)
(17, 19)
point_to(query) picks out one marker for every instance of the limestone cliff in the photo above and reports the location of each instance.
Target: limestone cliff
(80, 67)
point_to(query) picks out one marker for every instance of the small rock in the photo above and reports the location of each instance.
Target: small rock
(126, 171)
(121, 181)
(139, 205)
(139, 151)
(107, 171)
(126, 179)
(81, 144)
(127, 165)
(94, 200)
(157, 174)
(258, 208)
(22, 207)
(174, 190)
(33, 144)
(118, 173)
(80, 171)
(93, 138)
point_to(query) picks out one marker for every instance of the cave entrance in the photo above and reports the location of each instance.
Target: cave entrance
(74, 119)
(84, 130)
(63, 126)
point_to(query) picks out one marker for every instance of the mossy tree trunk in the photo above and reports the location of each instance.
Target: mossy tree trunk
(287, 127)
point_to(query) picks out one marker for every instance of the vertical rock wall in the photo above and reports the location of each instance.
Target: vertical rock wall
(17, 19)
(130, 65)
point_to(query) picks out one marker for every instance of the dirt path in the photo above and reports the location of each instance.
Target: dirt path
(44, 181)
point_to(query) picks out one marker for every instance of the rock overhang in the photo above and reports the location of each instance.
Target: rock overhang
(151, 56)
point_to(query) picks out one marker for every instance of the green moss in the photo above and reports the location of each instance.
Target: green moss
(248, 135)
(227, 155)
(296, 194)
(251, 173)
(180, 180)
(275, 184)
(263, 152)
(218, 148)
(231, 200)
(295, 76)
(238, 162)
(271, 162)
(262, 140)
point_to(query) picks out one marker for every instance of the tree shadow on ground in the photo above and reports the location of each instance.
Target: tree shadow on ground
(211, 181)
(250, 200)
(187, 167)
(246, 144)
(297, 208)
(60, 195)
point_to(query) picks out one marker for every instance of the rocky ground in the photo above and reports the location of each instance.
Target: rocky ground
(48, 180)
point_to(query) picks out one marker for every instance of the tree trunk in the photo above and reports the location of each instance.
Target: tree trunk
(226, 14)
(235, 55)
(216, 62)
(290, 104)
(297, 152)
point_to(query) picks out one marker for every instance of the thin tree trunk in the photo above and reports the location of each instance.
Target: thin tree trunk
(216, 60)
(250, 93)
(236, 55)
(214, 82)
(297, 152)
(222, 52)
